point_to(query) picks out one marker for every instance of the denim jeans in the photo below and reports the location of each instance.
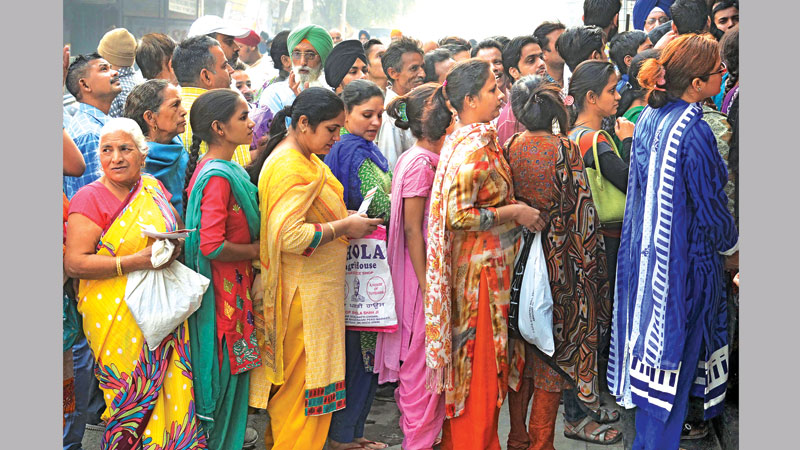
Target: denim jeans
(83, 365)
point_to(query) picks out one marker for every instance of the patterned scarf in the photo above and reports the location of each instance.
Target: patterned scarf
(438, 327)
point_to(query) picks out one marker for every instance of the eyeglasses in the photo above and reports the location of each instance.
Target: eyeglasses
(310, 56)
(661, 20)
(722, 69)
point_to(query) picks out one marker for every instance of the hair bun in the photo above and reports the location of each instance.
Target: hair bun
(288, 110)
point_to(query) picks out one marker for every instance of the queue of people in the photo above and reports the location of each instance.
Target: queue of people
(622, 162)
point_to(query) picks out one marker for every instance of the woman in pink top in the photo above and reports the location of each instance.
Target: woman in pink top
(400, 356)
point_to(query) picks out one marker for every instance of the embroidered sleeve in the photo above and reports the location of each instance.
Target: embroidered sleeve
(463, 212)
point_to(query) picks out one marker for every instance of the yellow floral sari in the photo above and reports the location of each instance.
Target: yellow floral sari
(148, 394)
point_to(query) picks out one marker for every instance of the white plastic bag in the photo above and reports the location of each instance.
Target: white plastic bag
(160, 300)
(369, 293)
(536, 301)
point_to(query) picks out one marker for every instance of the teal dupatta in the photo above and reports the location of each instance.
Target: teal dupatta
(221, 397)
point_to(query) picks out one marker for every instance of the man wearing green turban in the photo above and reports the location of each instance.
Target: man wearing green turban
(309, 47)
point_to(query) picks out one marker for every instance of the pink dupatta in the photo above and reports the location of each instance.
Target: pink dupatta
(391, 347)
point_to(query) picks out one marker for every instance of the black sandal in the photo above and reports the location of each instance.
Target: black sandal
(692, 431)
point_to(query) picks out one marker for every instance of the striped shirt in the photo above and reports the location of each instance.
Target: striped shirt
(241, 155)
(84, 128)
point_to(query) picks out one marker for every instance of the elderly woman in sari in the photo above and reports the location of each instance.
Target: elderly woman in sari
(474, 225)
(156, 106)
(304, 231)
(148, 393)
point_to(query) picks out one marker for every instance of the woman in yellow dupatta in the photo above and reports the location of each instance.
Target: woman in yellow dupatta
(148, 394)
(304, 231)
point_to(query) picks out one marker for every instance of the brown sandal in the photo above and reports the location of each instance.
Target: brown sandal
(598, 436)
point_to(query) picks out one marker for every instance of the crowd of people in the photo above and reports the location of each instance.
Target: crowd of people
(620, 149)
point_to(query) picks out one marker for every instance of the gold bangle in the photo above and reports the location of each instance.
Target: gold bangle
(119, 266)
(497, 215)
(333, 230)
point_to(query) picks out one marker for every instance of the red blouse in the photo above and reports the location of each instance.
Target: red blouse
(223, 219)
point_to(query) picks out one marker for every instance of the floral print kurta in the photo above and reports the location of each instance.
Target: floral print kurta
(476, 181)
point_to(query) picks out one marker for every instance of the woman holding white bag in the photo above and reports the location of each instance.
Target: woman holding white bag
(104, 244)
(548, 174)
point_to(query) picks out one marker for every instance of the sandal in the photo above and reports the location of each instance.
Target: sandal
(603, 416)
(353, 445)
(372, 445)
(598, 436)
(696, 430)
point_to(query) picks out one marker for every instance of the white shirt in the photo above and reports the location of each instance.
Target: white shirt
(393, 141)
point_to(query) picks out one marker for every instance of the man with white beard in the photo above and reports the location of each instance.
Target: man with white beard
(309, 46)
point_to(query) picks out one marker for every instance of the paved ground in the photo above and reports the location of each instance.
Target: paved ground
(382, 425)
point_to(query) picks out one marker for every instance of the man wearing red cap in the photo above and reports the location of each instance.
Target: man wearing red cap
(259, 69)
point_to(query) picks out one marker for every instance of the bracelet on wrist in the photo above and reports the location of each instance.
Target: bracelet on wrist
(333, 231)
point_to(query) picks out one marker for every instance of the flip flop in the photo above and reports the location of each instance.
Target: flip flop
(373, 445)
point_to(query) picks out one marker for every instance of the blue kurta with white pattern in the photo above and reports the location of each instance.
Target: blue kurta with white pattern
(675, 231)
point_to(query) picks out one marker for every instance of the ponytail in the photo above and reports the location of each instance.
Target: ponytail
(398, 109)
(427, 116)
(537, 104)
(194, 153)
(437, 117)
(652, 78)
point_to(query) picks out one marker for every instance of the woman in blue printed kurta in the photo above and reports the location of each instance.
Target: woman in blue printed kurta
(669, 313)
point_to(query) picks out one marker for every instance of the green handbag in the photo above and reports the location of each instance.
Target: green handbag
(609, 201)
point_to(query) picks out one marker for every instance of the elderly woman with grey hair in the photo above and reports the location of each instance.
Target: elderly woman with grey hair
(148, 393)
(156, 106)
